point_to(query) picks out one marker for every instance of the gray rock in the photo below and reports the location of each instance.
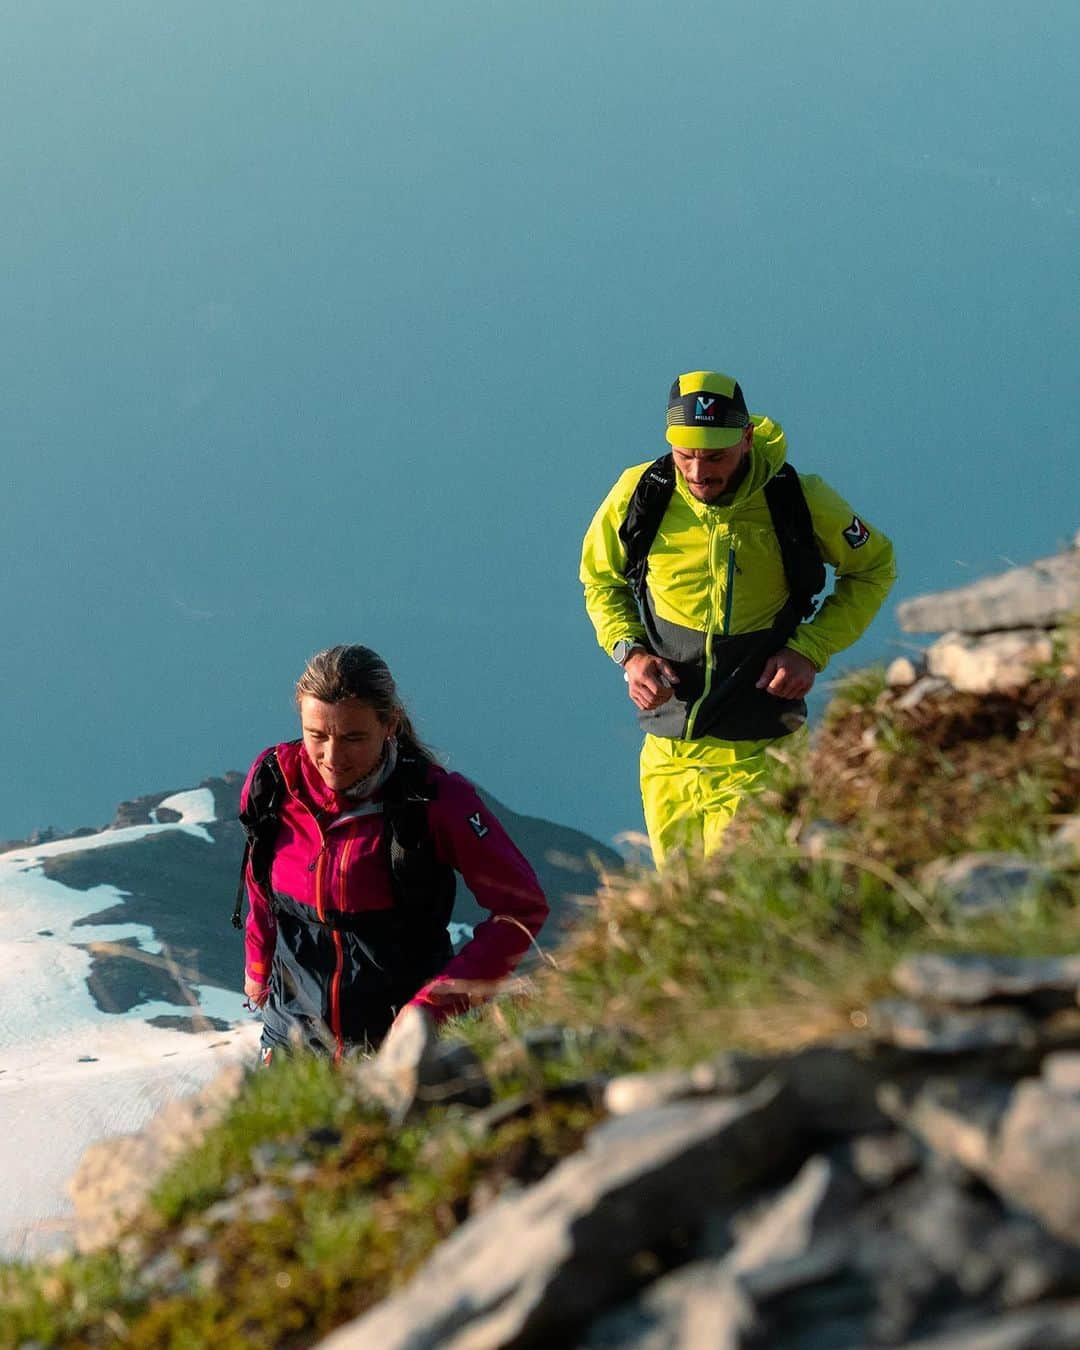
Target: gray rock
(734, 1072)
(880, 1159)
(957, 1118)
(166, 1273)
(922, 689)
(415, 1069)
(947, 1031)
(801, 1236)
(642, 1091)
(949, 1226)
(193, 1235)
(695, 1306)
(969, 978)
(996, 661)
(937, 1243)
(827, 1257)
(206, 1275)
(1033, 1265)
(535, 1264)
(1036, 1164)
(821, 1196)
(980, 883)
(1023, 1141)
(1042, 594)
(1052, 1326)
(728, 1074)
(257, 1204)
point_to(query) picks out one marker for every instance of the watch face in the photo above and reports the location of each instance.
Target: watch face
(622, 650)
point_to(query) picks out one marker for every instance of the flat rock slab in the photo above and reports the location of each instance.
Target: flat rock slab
(800, 1238)
(971, 978)
(1039, 595)
(535, 1264)
(949, 1031)
(980, 883)
(1036, 1164)
(1022, 1140)
(956, 1118)
(822, 1196)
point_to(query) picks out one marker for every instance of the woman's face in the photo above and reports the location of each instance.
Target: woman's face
(344, 740)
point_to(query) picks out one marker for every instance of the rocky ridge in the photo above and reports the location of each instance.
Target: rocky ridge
(997, 632)
(913, 1184)
(914, 1180)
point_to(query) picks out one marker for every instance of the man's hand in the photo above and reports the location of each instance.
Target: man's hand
(648, 680)
(787, 674)
(255, 991)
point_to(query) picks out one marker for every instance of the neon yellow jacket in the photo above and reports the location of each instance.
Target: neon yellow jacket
(716, 574)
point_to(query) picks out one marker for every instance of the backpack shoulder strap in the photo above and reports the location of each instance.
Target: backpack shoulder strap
(794, 528)
(643, 517)
(423, 887)
(259, 817)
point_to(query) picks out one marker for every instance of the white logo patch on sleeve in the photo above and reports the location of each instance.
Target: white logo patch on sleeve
(478, 826)
(856, 533)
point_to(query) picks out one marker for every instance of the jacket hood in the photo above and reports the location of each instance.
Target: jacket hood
(767, 455)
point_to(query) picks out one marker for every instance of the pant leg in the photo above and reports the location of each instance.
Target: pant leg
(691, 790)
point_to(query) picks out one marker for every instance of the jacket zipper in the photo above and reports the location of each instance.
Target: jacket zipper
(710, 632)
(339, 953)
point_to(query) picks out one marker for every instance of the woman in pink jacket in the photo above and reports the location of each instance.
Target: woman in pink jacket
(356, 836)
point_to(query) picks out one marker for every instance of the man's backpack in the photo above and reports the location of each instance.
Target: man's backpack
(791, 520)
(423, 887)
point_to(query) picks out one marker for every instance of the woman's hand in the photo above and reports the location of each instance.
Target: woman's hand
(255, 991)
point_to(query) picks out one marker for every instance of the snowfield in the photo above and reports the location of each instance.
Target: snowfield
(71, 1074)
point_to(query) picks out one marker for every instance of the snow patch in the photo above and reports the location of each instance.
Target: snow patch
(71, 1074)
(104, 1082)
(196, 810)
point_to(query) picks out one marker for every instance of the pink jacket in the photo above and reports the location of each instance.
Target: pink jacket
(330, 856)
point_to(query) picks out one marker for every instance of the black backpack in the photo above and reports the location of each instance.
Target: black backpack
(791, 520)
(423, 887)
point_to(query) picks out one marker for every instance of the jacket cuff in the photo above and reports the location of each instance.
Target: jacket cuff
(803, 642)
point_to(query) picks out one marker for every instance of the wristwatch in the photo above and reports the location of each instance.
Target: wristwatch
(620, 653)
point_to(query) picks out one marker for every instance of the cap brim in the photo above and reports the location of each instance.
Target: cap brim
(704, 438)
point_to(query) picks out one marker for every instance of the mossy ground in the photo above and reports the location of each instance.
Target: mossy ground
(765, 947)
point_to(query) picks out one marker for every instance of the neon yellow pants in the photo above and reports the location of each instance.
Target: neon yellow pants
(692, 789)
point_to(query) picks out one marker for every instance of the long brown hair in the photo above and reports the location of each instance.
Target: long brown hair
(351, 671)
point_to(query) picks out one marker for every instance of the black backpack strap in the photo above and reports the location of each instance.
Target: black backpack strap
(259, 818)
(643, 517)
(423, 887)
(794, 528)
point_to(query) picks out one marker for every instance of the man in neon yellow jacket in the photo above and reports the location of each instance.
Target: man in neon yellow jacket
(712, 625)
